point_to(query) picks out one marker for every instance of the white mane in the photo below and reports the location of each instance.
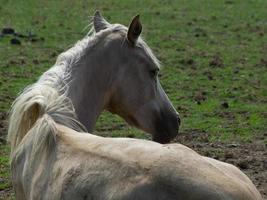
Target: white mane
(58, 75)
(47, 99)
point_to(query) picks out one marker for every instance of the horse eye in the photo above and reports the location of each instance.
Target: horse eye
(154, 72)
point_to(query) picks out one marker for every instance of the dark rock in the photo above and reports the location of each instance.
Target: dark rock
(199, 97)
(34, 40)
(35, 61)
(228, 155)
(229, 2)
(216, 62)
(20, 35)
(206, 153)
(2, 140)
(243, 164)
(263, 62)
(53, 54)
(8, 31)
(15, 41)
(189, 23)
(225, 105)
(204, 93)
(233, 145)
(130, 135)
(187, 61)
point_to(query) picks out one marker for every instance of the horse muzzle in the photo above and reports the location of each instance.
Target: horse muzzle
(166, 127)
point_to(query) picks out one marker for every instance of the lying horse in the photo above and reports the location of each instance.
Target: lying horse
(52, 156)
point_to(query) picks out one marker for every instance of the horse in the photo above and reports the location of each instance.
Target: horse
(53, 156)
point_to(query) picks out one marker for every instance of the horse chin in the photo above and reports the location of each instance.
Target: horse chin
(162, 132)
(161, 141)
(161, 138)
(166, 128)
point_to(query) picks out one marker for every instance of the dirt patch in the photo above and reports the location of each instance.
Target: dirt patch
(249, 157)
(200, 96)
(216, 61)
(262, 63)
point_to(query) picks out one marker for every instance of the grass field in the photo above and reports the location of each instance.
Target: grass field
(213, 53)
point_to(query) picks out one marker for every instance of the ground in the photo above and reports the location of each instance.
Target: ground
(214, 69)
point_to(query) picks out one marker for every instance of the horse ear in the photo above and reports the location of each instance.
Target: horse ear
(99, 22)
(134, 30)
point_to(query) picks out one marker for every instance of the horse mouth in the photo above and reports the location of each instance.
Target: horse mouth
(166, 128)
(164, 138)
(164, 131)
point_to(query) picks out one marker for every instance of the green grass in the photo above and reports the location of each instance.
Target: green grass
(5, 182)
(4, 165)
(212, 52)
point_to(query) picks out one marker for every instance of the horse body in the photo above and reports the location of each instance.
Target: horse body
(82, 166)
(52, 156)
(137, 169)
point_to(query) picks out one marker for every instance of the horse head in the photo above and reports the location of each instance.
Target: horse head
(136, 93)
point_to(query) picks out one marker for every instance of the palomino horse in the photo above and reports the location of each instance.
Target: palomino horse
(53, 158)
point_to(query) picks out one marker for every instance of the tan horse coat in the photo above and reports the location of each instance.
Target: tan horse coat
(83, 166)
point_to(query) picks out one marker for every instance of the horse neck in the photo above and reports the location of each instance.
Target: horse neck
(89, 89)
